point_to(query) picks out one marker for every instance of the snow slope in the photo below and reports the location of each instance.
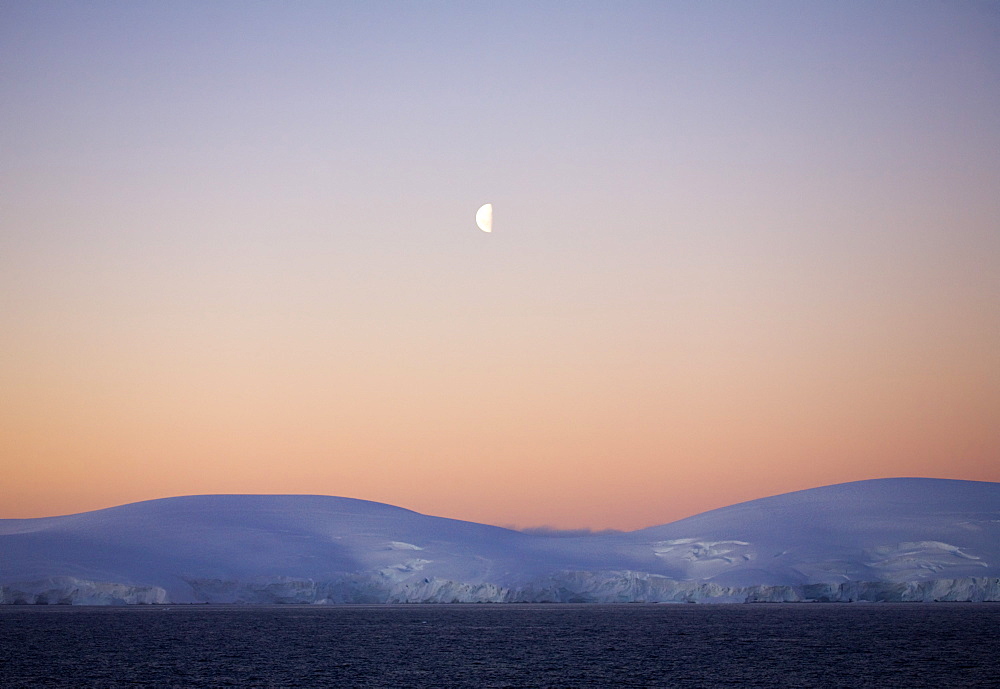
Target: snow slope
(887, 539)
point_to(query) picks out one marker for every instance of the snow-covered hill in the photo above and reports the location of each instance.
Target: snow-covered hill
(887, 539)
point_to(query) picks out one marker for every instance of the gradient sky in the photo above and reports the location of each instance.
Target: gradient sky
(739, 249)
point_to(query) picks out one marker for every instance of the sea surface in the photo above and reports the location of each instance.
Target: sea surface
(766, 645)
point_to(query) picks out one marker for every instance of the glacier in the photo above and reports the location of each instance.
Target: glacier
(891, 540)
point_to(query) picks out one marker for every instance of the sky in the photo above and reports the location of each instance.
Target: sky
(739, 249)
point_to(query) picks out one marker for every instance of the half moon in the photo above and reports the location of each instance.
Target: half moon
(484, 217)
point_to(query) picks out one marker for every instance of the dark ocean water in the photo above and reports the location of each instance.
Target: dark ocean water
(795, 645)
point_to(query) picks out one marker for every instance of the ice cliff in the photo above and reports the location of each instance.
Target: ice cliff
(566, 587)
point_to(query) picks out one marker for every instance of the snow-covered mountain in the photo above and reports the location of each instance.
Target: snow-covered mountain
(886, 539)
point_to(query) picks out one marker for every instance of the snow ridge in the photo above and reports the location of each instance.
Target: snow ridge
(880, 540)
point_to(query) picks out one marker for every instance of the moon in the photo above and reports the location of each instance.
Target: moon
(484, 217)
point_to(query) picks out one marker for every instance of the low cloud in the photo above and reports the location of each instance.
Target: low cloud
(565, 533)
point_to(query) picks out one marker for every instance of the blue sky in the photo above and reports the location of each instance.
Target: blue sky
(739, 248)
